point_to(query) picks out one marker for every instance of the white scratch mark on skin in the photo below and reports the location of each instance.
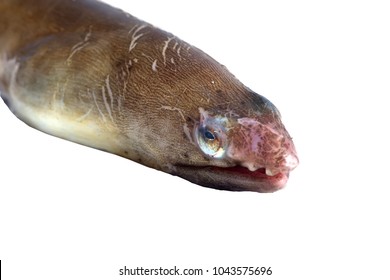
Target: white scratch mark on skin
(74, 51)
(178, 52)
(154, 65)
(135, 60)
(59, 96)
(147, 56)
(110, 91)
(80, 45)
(174, 109)
(150, 59)
(97, 106)
(172, 60)
(83, 117)
(203, 114)
(175, 45)
(166, 43)
(135, 36)
(124, 72)
(106, 103)
(188, 133)
(186, 129)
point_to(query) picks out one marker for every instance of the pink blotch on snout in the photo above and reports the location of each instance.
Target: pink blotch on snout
(255, 145)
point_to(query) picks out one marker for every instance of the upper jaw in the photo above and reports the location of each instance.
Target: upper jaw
(284, 164)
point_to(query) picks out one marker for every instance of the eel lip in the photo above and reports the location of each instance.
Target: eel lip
(234, 178)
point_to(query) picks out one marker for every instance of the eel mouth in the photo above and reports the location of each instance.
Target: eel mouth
(235, 178)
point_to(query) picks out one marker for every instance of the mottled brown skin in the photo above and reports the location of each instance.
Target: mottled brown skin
(82, 61)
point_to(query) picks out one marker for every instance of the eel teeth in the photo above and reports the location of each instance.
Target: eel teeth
(270, 172)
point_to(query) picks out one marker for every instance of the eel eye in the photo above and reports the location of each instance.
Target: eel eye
(211, 142)
(209, 135)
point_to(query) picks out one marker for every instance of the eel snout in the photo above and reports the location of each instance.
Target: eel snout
(256, 145)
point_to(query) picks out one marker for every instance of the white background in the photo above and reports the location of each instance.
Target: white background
(71, 212)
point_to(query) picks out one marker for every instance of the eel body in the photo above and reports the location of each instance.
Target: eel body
(95, 75)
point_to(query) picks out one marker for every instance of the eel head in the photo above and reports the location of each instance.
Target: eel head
(242, 150)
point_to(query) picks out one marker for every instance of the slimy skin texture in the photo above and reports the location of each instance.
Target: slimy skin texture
(95, 75)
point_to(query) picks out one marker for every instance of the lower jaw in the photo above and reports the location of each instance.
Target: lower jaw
(259, 176)
(233, 178)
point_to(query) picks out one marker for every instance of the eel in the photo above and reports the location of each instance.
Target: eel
(93, 74)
